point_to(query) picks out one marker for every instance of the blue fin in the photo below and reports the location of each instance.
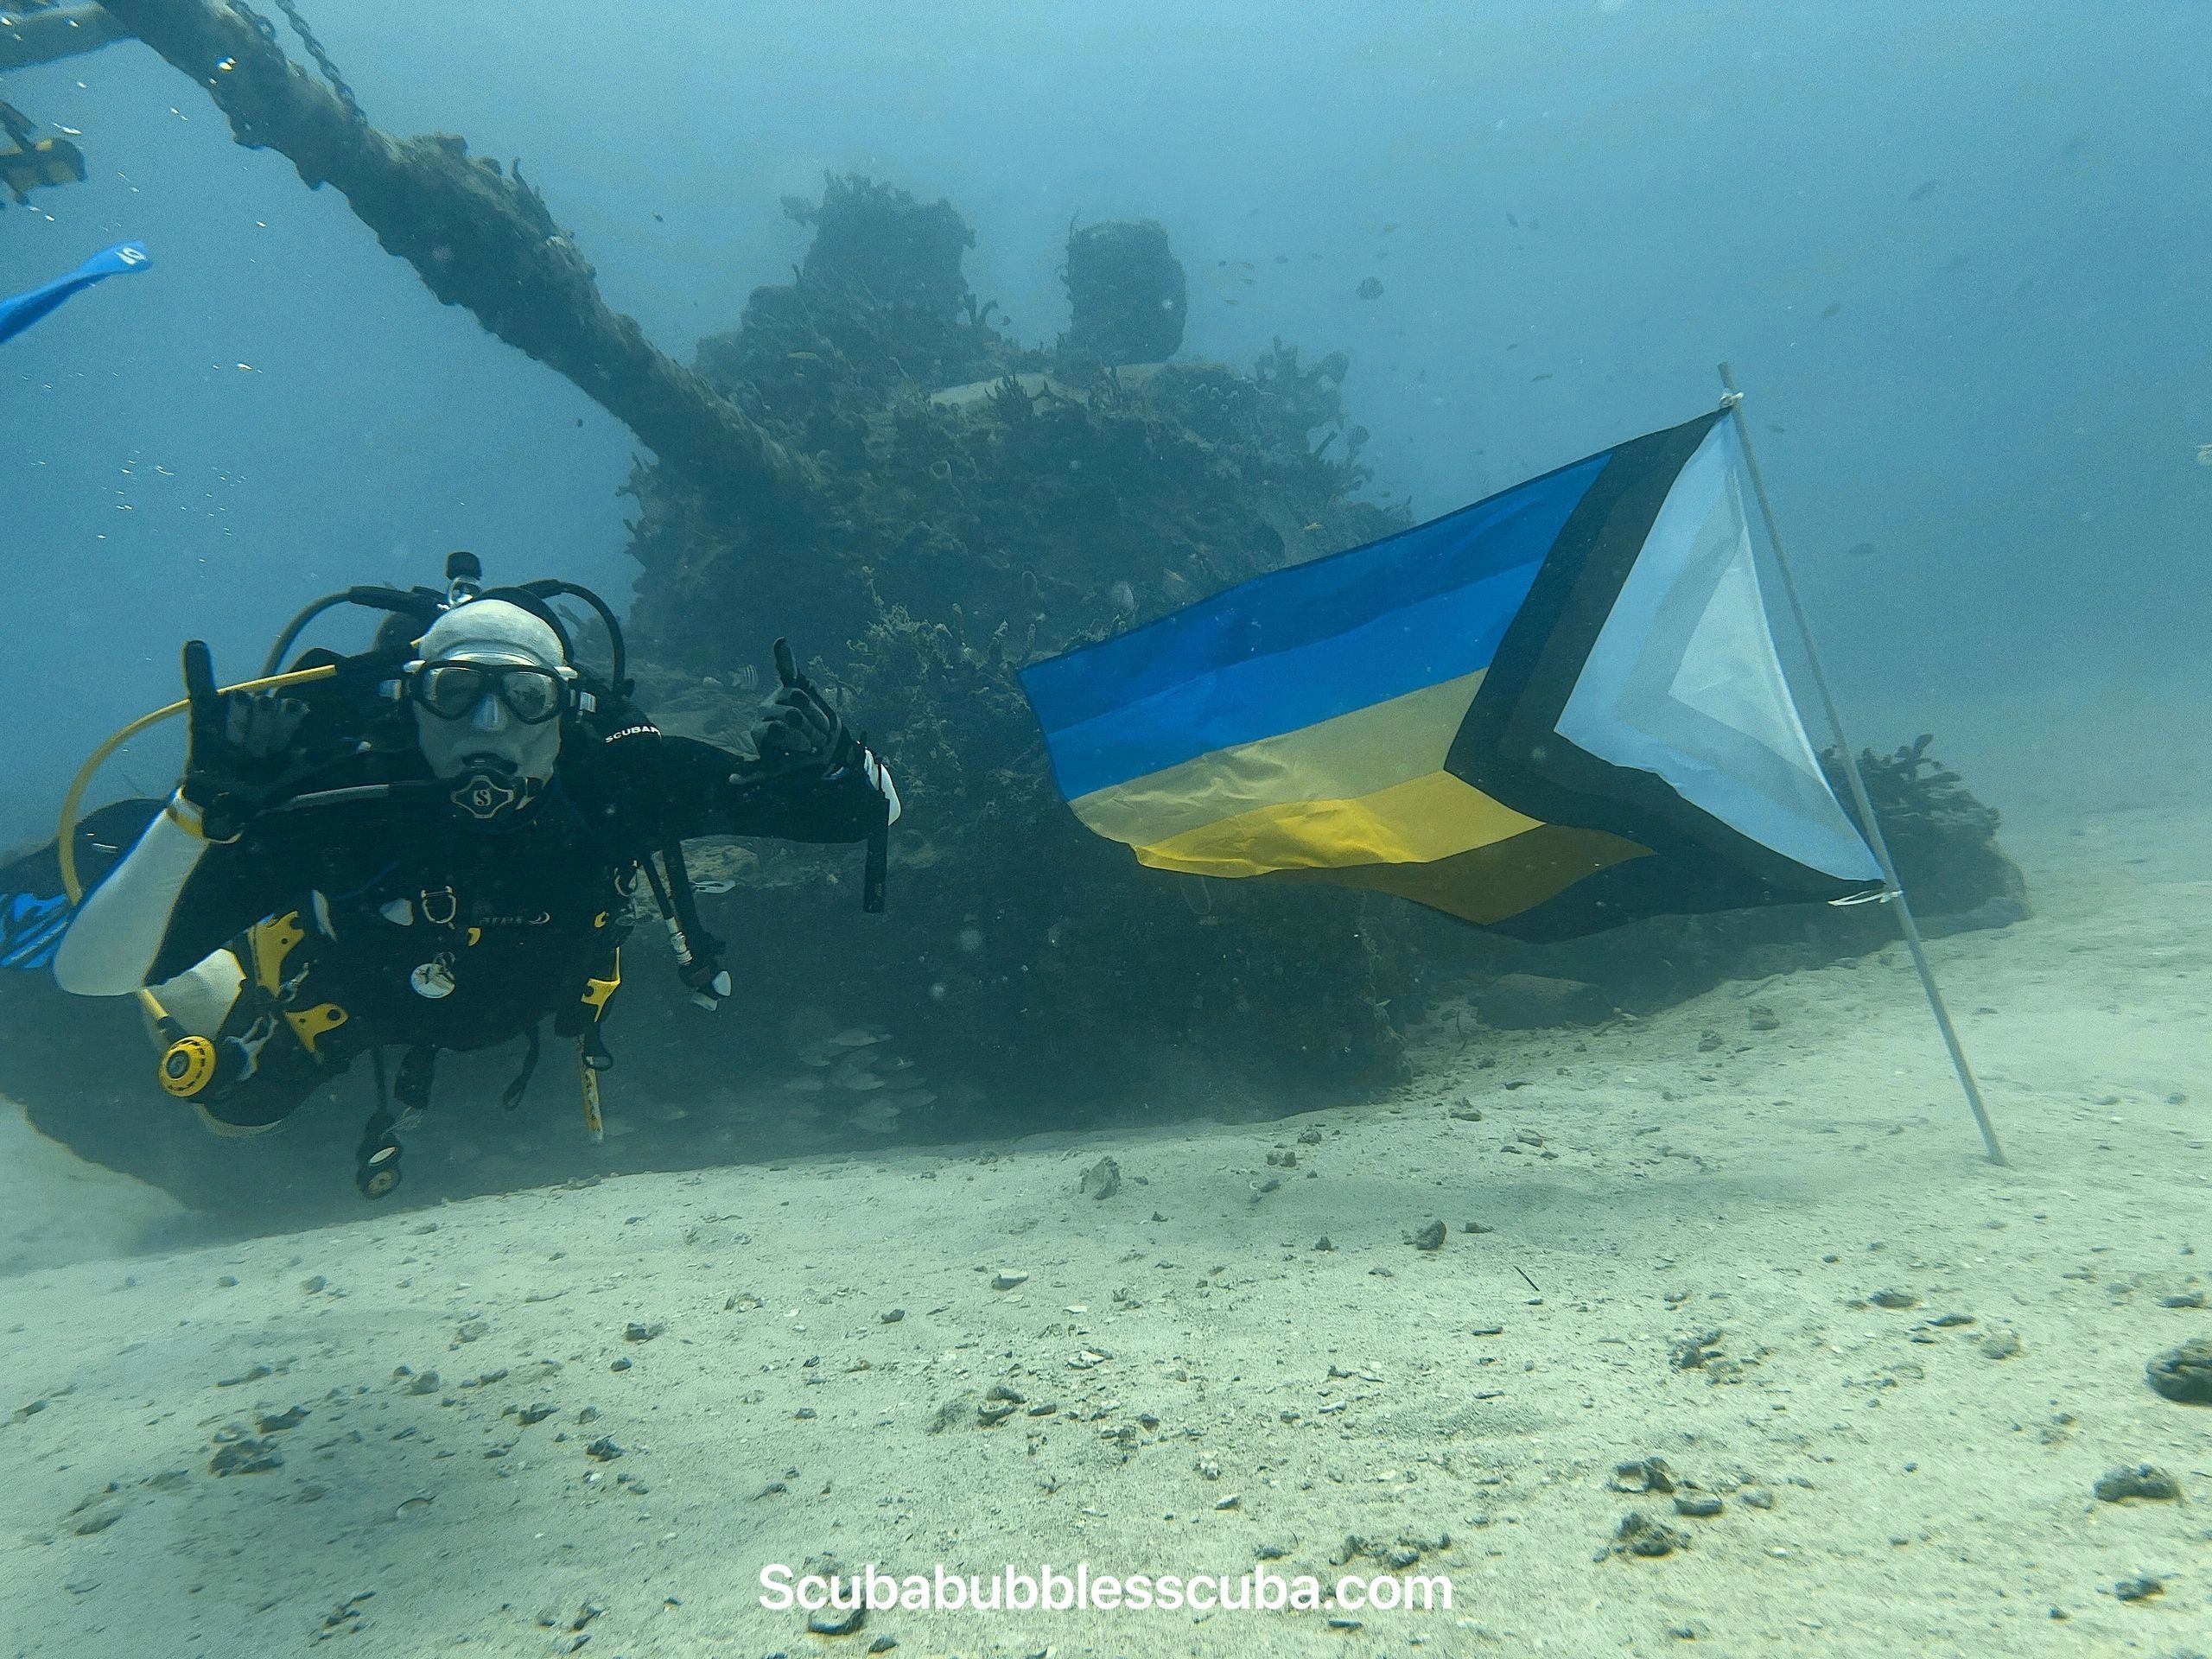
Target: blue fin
(24, 309)
(31, 929)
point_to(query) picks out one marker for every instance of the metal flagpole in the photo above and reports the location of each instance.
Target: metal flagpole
(1733, 401)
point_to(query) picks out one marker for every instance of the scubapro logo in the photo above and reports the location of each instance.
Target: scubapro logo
(484, 798)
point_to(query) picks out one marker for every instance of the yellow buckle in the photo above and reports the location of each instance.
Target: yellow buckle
(272, 941)
(596, 991)
(309, 1025)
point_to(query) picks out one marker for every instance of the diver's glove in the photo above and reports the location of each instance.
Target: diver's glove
(241, 760)
(794, 726)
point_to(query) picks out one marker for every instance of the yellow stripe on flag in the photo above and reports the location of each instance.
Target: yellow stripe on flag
(1491, 883)
(1419, 822)
(1348, 758)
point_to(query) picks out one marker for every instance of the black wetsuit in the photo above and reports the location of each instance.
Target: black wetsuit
(397, 921)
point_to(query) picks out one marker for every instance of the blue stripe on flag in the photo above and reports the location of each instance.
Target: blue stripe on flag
(1299, 646)
(1307, 602)
(1421, 645)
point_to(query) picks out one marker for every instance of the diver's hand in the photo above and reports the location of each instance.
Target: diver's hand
(791, 725)
(794, 726)
(241, 747)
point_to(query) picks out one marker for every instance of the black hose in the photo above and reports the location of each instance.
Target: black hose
(419, 604)
(618, 648)
(273, 662)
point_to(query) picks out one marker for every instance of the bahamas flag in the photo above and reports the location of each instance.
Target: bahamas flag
(1552, 712)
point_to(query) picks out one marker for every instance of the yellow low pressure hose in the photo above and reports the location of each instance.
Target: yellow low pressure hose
(71, 884)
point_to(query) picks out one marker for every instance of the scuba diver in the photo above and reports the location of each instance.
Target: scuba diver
(431, 845)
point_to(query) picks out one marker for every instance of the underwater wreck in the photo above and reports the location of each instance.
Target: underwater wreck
(987, 504)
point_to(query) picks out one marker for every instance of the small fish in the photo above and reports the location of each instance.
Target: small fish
(1370, 289)
(804, 357)
(1315, 526)
(1535, 378)
(1960, 262)
(1225, 299)
(1514, 222)
(1861, 551)
(1923, 191)
(1514, 346)
(1391, 227)
(1771, 427)
(1834, 306)
(1282, 258)
(1122, 598)
(657, 219)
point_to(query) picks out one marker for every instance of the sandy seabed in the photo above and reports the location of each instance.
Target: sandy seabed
(1765, 1252)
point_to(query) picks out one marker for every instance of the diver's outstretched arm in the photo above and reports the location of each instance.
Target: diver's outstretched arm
(119, 929)
(707, 791)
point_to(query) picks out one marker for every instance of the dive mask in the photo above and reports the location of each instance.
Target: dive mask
(489, 689)
(452, 691)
